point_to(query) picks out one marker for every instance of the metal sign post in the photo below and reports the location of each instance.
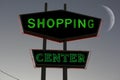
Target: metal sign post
(65, 68)
(65, 49)
(43, 69)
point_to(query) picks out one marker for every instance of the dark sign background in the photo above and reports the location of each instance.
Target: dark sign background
(60, 64)
(61, 34)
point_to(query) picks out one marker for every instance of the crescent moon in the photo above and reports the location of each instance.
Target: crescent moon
(112, 17)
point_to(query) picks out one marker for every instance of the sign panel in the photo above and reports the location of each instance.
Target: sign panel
(60, 25)
(55, 58)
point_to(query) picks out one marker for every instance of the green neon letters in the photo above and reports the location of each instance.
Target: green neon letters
(60, 57)
(51, 23)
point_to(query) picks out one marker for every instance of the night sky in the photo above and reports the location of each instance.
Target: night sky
(15, 47)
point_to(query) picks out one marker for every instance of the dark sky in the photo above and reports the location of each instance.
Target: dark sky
(15, 47)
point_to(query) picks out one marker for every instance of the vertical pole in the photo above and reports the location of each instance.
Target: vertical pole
(43, 71)
(65, 7)
(65, 68)
(65, 49)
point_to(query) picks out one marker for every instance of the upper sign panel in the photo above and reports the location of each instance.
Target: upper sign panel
(60, 25)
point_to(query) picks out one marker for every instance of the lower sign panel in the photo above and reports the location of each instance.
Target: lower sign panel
(55, 58)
